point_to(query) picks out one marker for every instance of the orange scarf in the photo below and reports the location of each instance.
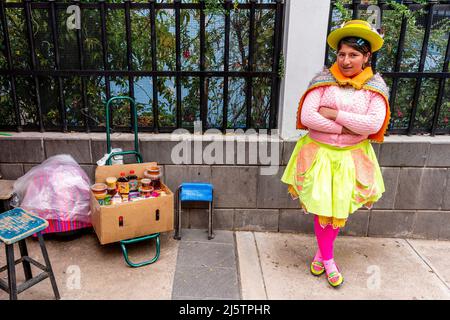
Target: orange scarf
(356, 82)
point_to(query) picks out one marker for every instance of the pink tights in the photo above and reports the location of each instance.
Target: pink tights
(325, 238)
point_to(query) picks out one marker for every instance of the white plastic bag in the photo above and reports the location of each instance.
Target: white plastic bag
(114, 160)
(57, 189)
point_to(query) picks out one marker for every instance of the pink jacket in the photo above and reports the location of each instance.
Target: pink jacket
(361, 111)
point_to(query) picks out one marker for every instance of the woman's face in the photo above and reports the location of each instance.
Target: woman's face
(351, 61)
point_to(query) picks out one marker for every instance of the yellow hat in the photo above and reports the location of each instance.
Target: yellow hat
(356, 28)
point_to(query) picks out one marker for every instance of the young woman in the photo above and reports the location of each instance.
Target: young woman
(333, 169)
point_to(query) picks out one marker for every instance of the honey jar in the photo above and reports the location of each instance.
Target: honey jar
(99, 190)
(146, 184)
(146, 193)
(111, 182)
(154, 174)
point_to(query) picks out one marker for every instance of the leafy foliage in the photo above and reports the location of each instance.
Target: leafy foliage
(77, 113)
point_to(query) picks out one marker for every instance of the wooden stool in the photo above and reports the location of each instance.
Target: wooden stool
(15, 226)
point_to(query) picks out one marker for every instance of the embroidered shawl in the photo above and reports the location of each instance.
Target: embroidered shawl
(366, 80)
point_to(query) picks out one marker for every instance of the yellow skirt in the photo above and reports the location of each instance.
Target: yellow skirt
(333, 182)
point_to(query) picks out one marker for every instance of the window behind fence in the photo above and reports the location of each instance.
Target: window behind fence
(414, 60)
(182, 61)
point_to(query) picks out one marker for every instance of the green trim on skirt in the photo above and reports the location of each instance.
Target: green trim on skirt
(333, 181)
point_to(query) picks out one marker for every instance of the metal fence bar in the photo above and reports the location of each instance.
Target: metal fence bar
(140, 5)
(27, 10)
(355, 11)
(54, 25)
(437, 75)
(104, 39)
(226, 64)
(129, 56)
(249, 87)
(85, 105)
(423, 56)
(154, 66)
(398, 60)
(178, 61)
(125, 73)
(10, 66)
(381, 4)
(330, 18)
(278, 33)
(440, 96)
(203, 91)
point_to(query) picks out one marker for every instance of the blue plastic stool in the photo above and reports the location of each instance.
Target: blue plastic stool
(15, 226)
(195, 191)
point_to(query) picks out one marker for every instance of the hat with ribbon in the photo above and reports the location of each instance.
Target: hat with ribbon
(356, 28)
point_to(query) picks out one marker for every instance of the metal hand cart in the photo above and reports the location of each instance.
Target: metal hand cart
(138, 156)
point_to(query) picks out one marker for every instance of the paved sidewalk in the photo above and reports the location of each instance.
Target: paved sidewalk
(373, 268)
(86, 270)
(206, 269)
(241, 265)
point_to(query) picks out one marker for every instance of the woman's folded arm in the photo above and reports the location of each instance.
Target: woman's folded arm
(365, 124)
(311, 117)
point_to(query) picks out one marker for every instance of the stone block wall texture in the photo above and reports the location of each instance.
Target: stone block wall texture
(416, 173)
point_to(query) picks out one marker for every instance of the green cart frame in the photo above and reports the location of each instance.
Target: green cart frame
(138, 156)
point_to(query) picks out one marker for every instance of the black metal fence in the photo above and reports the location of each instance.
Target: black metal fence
(414, 60)
(180, 61)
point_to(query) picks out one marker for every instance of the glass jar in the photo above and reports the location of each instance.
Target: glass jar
(146, 193)
(146, 184)
(111, 182)
(154, 174)
(99, 190)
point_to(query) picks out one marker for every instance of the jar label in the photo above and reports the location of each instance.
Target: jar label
(123, 187)
(133, 184)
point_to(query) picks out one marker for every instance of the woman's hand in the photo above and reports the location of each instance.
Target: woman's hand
(328, 113)
(331, 114)
(345, 130)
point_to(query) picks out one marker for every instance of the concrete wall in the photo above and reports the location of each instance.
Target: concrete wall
(416, 172)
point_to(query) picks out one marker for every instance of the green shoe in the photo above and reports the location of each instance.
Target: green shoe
(317, 268)
(335, 279)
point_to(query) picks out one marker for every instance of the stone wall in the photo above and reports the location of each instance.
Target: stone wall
(416, 172)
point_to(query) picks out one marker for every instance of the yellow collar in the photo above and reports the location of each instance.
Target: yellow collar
(357, 82)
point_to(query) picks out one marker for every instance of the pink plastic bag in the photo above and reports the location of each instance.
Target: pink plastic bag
(58, 189)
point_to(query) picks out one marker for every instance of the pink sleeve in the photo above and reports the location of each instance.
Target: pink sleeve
(365, 124)
(311, 117)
